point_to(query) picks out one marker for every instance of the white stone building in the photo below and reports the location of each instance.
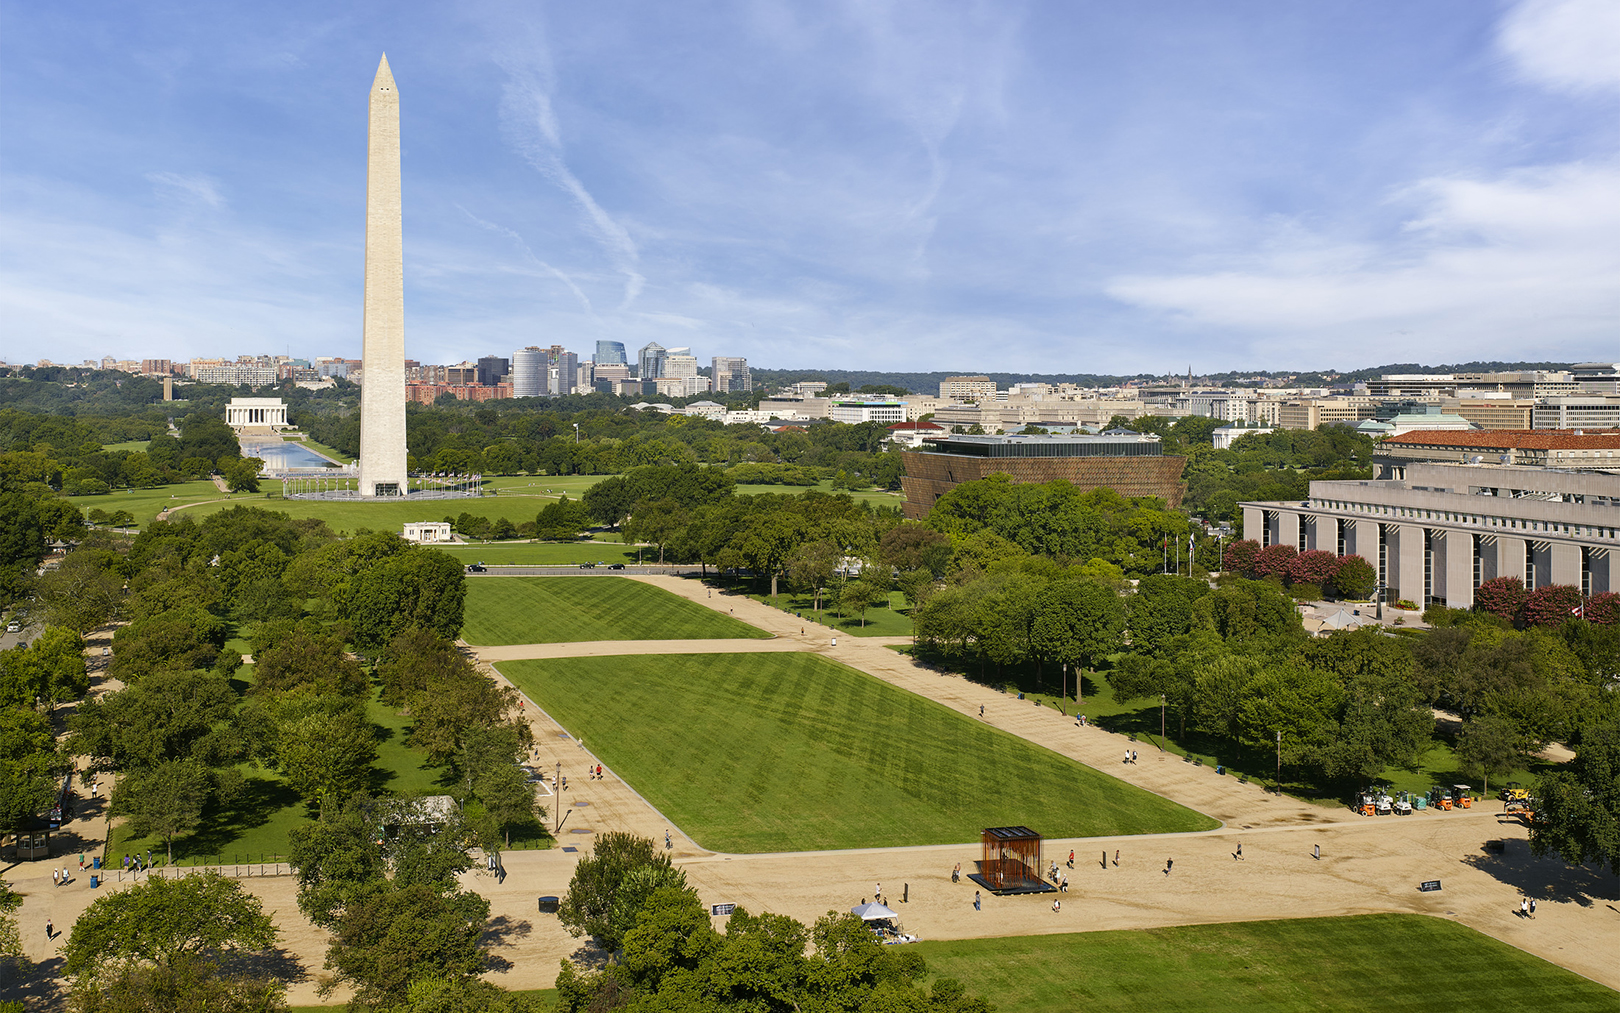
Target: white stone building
(426, 531)
(1445, 529)
(256, 413)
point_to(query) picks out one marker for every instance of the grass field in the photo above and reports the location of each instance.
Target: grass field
(146, 503)
(891, 621)
(874, 497)
(541, 553)
(1376, 963)
(788, 752)
(560, 610)
(349, 516)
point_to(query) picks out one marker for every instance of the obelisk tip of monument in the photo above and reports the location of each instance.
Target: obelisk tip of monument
(385, 77)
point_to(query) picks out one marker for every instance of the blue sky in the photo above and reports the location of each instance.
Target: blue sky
(1052, 187)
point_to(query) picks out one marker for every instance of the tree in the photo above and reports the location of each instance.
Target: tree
(1313, 566)
(587, 908)
(1240, 556)
(768, 540)
(326, 755)
(859, 596)
(1354, 579)
(1551, 605)
(811, 567)
(27, 787)
(388, 939)
(241, 474)
(166, 716)
(412, 588)
(1501, 596)
(160, 920)
(82, 593)
(1578, 809)
(913, 545)
(1275, 561)
(1488, 745)
(1162, 609)
(186, 984)
(166, 800)
(1079, 623)
(302, 660)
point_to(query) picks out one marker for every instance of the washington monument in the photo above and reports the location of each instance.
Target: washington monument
(382, 390)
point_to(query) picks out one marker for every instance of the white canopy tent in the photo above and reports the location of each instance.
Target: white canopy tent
(873, 912)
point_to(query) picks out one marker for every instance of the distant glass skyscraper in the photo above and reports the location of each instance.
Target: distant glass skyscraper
(529, 369)
(651, 360)
(609, 353)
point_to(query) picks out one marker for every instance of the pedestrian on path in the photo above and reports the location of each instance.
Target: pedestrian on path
(976, 907)
(835, 641)
(1532, 907)
(1524, 907)
(877, 893)
(1071, 858)
(1057, 906)
(50, 930)
(981, 710)
(1065, 887)
(56, 877)
(1127, 756)
(1169, 863)
(1116, 858)
(1238, 854)
(956, 873)
(65, 876)
(668, 842)
(1133, 756)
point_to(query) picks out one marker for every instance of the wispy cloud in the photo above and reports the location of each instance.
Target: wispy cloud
(1570, 45)
(584, 300)
(195, 188)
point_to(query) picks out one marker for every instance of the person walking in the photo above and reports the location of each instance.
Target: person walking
(1169, 863)
(1071, 858)
(1532, 907)
(877, 893)
(981, 710)
(50, 930)
(1238, 854)
(668, 842)
(1065, 887)
(976, 907)
(1057, 906)
(56, 877)
(1127, 756)
(956, 873)
(1133, 756)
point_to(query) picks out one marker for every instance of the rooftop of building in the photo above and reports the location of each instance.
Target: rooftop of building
(1511, 439)
(902, 427)
(1113, 443)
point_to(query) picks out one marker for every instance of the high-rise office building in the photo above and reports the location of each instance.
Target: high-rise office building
(529, 370)
(679, 362)
(650, 359)
(491, 370)
(564, 372)
(610, 353)
(730, 375)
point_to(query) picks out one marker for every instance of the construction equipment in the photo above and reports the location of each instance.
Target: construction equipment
(1514, 793)
(1403, 804)
(1440, 798)
(1385, 805)
(1462, 796)
(1366, 803)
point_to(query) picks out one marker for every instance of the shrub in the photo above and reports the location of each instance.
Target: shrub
(1407, 605)
(1501, 596)
(1301, 591)
(1603, 609)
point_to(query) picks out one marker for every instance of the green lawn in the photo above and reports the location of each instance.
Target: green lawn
(872, 496)
(787, 752)
(560, 610)
(893, 620)
(146, 503)
(550, 486)
(351, 515)
(541, 553)
(130, 445)
(1377, 963)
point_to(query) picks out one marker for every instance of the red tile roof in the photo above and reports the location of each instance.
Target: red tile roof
(1511, 439)
(901, 426)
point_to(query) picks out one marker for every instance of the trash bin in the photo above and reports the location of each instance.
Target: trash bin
(1220, 770)
(95, 881)
(97, 861)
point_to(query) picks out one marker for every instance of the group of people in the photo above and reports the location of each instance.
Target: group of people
(1130, 756)
(60, 878)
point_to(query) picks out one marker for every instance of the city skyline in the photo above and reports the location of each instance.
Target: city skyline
(1082, 189)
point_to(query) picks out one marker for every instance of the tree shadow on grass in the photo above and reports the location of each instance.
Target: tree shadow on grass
(252, 807)
(1547, 879)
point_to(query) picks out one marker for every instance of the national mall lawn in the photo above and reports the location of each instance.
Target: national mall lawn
(562, 610)
(793, 752)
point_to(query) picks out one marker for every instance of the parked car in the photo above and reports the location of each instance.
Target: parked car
(14, 627)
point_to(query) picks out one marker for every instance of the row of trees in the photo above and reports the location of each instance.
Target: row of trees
(667, 955)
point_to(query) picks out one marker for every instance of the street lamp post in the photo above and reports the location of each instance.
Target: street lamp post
(1161, 722)
(576, 434)
(1279, 761)
(557, 794)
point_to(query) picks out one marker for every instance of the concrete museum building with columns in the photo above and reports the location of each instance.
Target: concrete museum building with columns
(1441, 530)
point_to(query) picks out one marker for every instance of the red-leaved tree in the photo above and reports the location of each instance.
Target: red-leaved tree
(1501, 596)
(1239, 556)
(1313, 567)
(1603, 609)
(1552, 605)
(1274, 560)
